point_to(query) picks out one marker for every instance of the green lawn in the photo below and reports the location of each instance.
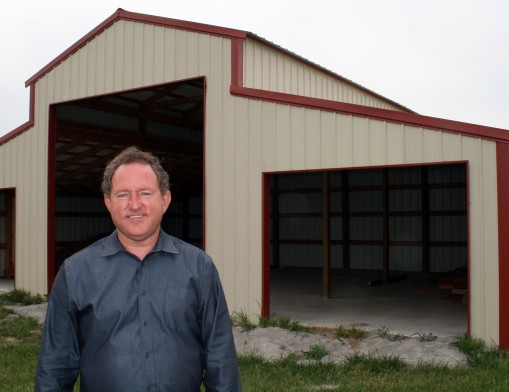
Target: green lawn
(488, 369)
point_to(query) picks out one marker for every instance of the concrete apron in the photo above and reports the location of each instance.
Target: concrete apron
(407, 306)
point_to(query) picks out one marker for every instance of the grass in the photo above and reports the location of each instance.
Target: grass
(21, 297)
(282, 322)
(350, 332)
(364, 373)
(383, 333)
(242, 320)
(487, 368)
(19, 343)
(316, 352)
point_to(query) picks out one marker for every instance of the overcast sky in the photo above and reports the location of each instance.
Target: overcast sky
(440, 58)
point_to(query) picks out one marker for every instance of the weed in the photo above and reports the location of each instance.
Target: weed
(5, 312)
(479, 355)
(378, 365)
(264, 322)
(20, 328)
(470, 346)
(19, 296)
(425, 337)
(282, 322)
(316, 352)
(352, 332)
(241, 319)
(384, 334)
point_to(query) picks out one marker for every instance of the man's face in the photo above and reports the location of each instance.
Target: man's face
(136, 204)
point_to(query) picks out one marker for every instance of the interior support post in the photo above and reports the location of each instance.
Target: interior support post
(275, 221)
(326, 288)
(385, 228)
(345, 219)
(185, 219)
(425, 212)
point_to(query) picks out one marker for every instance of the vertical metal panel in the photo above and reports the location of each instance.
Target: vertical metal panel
(344, 136)
(298, 145)
(361, 141)
(270, 69)
(283, 138)
(490, 296)
(395, 143)
(312, 142)
(413, 144)
(267, 143)
(327, 147)
(241, 202)
(377, 143)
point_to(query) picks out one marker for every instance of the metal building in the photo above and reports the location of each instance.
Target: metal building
(273, 161)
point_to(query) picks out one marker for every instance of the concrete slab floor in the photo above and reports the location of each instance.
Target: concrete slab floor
(402, 307)
(6, 285)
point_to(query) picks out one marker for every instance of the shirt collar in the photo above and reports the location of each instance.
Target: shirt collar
(164, 243)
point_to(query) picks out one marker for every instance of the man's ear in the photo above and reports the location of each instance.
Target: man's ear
(107, 202)
(166, 200)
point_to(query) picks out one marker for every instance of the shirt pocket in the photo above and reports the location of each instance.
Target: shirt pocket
(180, 309)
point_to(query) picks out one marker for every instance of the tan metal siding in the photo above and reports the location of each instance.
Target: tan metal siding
(22, 170)
(270, 69)
(284, 138)
(126, 55)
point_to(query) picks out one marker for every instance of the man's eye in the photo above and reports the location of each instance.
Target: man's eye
(122, 195)
(146, 194)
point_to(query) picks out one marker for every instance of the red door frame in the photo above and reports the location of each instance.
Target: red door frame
(503, 242)
(265, 309)
(10, 231)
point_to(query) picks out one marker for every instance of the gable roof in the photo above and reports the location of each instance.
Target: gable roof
(121, 14)
(238, 36)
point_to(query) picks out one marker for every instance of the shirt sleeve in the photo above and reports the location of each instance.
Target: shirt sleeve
(58, 363)
(221, 371)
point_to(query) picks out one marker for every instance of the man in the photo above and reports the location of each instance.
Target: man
(138, 310)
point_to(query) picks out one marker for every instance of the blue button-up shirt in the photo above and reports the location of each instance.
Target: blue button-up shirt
(121, 324)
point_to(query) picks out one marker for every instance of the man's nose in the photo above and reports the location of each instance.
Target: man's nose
(134, 201)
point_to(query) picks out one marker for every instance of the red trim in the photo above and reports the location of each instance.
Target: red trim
(11, 192)
(26, 126)
(204, 185)
(182, 24)
(265, 311)
(469, 264)
(413, 119)
(369, 167)
(52, 130)
(503, 242)
(237, 62)
(132, 16)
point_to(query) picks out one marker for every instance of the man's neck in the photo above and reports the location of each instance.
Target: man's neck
(138, 248)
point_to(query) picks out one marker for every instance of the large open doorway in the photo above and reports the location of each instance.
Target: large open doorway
(85, 135)
(7, 241)
(381, 247)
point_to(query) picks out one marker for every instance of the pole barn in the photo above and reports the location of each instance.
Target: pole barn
(274, 162)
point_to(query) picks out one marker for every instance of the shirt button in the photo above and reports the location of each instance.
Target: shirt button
(147, 355)
(145, 323)
(144, 292)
